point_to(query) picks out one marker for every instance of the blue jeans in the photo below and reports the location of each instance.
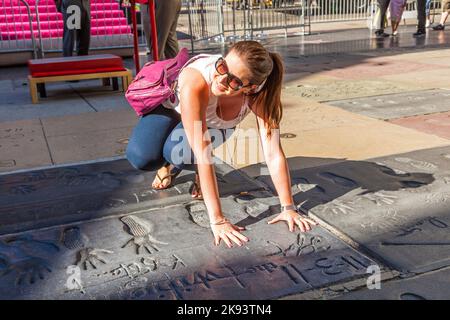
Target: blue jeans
(159, 139)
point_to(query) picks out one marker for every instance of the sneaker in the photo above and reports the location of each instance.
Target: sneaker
(394, 34)
(381, 34)
(439, 27)
(419, 33)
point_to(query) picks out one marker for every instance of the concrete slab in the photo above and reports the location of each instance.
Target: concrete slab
(81, 146)
(437, 78)
(396, 207)
(398, 105)
(42, 198)
(430, 286)
(345, 89)
(372, 68)
(164, 255)
(437, 124)
(318, 131)
(22, 144)
(102, 101)
(19, 107)
(88, 122)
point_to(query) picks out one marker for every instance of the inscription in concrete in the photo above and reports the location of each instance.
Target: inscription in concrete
(164, 254)
(65, 194)
(398, 105)
(400, 213)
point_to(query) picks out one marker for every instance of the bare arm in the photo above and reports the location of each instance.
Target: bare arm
(194, 95)
(279, 172)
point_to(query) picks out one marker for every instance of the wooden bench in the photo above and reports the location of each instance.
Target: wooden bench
(102, 66)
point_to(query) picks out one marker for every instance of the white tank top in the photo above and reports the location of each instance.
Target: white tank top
(206, 66)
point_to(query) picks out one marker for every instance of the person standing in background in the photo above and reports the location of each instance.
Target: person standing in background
(444, 16)
(421, 18)
(396, 9)
(381, 18)
(82, 36)
(166, 12)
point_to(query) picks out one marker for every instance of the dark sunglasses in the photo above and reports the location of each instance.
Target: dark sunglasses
(233, 82)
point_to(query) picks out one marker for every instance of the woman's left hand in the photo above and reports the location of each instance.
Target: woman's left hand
(293, 218)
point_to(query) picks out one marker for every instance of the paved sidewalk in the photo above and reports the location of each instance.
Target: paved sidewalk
(366, 133)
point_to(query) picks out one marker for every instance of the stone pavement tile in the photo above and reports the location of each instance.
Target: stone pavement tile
(61, 101)
(89, 145)
(373, 68)
(428, 56)
(87, 122)
(398, 105)
(105, 101)
(430, 286)
(325, 132)
(395, 207)
(437, 78)
(437, 124)
(22, 145)
(328, 90)
(64, 194)
(162, 254)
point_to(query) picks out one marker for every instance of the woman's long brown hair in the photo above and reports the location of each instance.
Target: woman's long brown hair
(264, 65)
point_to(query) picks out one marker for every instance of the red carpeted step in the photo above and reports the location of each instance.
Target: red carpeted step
(75, 65)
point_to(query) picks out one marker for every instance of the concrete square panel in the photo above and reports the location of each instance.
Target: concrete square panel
(398, 105)
(395, 207)
(64, 194)
(437, 124)
(22, 144)
(162, 255)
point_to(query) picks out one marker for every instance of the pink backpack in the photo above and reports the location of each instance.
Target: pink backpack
(156, 83)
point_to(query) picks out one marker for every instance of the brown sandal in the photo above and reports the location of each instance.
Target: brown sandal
(171, 175)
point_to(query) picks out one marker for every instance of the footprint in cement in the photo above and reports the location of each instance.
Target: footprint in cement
(412, 184)
(72, 238)
(411, 296)
(421, 165)
(255, 209)
(304, 185)
(198, 214)
(391, 171)
(338, 180)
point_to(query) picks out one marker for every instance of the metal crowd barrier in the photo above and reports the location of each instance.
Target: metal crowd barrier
(17, 27)
(26, 26)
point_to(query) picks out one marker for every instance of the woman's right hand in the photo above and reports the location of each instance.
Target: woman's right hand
(229, 233)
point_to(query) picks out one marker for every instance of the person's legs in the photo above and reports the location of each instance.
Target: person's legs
(145, 148)
(166, 12)
(68, 33)
(427, 13)
(171, 49)
(421, 17)
(84, 34)
(444, 15)
(383, 4)
(146, 22)
(178, 152)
